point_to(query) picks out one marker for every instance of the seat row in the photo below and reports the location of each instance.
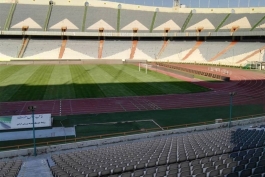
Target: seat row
(10, 168)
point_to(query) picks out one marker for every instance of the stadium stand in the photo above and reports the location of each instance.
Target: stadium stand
(4, 11)
(9, 48)
(260, 26)
(226, 152)
(135, 19)
(81, 49)
(176, 50)
(119, 49)
(66, 16)
(206, 22)
(162, 19)
(37, 49)
(150, 48)
(10, 168)
(33, 18)
(241, 50)
(98, 17)
(244, 22)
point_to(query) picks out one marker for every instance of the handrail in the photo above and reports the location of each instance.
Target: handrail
(257, 23)
(10, 16)
(48, 16)
(184, 26)
(84, 20)
(153, 22)
(118, 20)
(126, 133)
(222, 22)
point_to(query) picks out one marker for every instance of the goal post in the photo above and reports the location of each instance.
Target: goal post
(143, 65)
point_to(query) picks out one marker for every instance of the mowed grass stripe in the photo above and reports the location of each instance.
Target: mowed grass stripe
(83, 83)
(2, 67)
(110, 89)
(6, 72)
(35, 87)
(60, 85)
(131, 82)
(11, 85)
(187, 87)
(168, 85)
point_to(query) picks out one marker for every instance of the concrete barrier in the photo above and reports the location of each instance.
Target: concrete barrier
(68, 62)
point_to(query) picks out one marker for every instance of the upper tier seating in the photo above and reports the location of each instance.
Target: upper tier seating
(72, 17)
(209, 22)
(244, 22)
(33, 18)
(98, 17)
(4, 11)
(66, 16)
(174, 21)
(135, 19)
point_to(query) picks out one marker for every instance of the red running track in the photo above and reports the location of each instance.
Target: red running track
(249, 85)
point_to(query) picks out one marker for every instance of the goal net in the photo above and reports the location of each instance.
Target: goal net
(144, 66)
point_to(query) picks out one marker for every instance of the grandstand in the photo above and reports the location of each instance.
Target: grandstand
(135, 28)
(194, 109)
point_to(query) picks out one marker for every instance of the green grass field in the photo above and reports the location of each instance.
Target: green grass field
(45, 82)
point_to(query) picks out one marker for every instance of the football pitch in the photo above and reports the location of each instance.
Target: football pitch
(48, 82)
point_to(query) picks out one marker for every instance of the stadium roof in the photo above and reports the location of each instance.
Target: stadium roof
(197, 3)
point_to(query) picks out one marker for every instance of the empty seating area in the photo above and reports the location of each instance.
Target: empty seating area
(116, 49)
(176, 50)
(241, 50)
(10, 47)
(10, 168)
(143, 18)
(4, 11)
(43, 49)
(66, 16)
(98, 17)
(150, 48)
(243, 21)
(72, 17)
(226, 152)
(87, 49)
(34, 18)
(163, 17)
(209, 22)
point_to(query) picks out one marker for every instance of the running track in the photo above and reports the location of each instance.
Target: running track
(250, 88)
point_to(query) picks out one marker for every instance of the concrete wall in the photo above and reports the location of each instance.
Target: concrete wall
(59, 62)
(53, 148)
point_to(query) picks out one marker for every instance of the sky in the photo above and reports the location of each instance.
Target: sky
(198, 3)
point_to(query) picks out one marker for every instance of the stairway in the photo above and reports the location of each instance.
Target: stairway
(195, 47)
(48, 16)
(252, 54)
(84, 20)
(62, 48)
(162, 49)
(10, 16)
(100, 49)
(133, 49)
(23, 47)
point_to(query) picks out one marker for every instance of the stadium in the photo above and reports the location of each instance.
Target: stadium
(120, 88)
